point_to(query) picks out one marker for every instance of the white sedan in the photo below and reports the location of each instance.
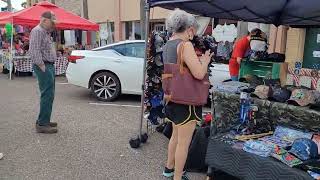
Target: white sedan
(116, 69)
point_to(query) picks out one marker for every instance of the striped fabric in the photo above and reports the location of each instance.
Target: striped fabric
(41, 48)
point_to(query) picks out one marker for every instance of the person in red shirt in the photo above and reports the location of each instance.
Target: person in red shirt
(240, 48)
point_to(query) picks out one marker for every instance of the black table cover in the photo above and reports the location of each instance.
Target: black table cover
(247, 166)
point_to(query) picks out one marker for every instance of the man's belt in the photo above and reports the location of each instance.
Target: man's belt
(47, 62)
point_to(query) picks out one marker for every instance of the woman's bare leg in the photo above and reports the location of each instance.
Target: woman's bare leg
(185, 133)
(172, 147)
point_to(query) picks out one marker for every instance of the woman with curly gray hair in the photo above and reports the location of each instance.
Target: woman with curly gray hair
(183, 117)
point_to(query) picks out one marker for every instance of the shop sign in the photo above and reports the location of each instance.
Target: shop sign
(103, 31)
(316, 54)
(318, 38)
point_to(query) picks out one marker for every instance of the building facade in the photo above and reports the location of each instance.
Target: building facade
(120, 17)
(124, 17)
(74, 6)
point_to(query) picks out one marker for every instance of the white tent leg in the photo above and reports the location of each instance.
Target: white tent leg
(11, 54)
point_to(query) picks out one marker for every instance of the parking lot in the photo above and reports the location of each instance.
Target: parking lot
(92, 142)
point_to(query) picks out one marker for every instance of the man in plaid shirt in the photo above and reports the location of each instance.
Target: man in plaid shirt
(43, 55)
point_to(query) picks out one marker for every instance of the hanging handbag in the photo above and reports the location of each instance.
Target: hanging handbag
(180, 86)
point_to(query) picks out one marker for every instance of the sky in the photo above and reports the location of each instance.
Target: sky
(15, 4)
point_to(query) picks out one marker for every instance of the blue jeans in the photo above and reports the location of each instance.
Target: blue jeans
(46, 82)
(234, 78)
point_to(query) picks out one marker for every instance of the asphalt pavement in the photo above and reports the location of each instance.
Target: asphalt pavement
(92, 142)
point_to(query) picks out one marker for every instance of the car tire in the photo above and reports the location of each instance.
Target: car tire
(105, 86)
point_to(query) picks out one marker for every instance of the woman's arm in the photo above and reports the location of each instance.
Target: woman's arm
(198, 66)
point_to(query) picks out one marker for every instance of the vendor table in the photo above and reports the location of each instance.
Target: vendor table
(227, 110)
(248, 166)
(24, 64)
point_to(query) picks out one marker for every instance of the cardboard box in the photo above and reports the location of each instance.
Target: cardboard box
(295, 45)
(272, 39)
(277, 39)
(281, 41)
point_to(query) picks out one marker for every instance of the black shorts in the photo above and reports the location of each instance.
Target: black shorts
(180, 114)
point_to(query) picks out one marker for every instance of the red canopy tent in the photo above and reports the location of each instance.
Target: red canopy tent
(5, 13)
(31, 17)
(65, 20)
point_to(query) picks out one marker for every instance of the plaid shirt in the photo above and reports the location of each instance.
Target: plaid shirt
(41, 46)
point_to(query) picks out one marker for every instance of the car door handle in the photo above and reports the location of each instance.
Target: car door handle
(117, 60)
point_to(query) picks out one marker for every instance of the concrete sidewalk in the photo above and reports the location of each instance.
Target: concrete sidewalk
(92, 142)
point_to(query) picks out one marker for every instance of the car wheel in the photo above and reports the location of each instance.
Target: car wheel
(105, 86)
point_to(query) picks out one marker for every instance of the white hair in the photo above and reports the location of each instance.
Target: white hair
(179, 21)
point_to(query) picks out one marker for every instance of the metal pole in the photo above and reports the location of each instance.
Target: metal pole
(142, 18)
(85, 9)
(9, 5)
(147, 14)
(11, 53)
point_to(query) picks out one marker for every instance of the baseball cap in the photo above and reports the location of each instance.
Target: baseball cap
(252, 79)
(301, 97)
(316, 104)
(280, 94)
(49, 15)
(262, 92)
(304, 149)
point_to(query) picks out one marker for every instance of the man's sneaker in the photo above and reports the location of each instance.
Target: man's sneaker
(52, 124)
(1, 156)
(168, 172)
(46, 129)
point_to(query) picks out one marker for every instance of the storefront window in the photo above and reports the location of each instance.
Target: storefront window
(132, 30)
(159, 27)
(137, 30)
(106, 33)
(128, 30)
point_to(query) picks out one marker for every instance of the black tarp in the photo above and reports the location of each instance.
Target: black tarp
(278, 12)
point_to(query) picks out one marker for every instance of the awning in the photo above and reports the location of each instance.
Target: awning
(278, 12)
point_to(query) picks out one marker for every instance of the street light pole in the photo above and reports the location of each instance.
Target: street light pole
(9, 5)
(85, 9)
(142, 18)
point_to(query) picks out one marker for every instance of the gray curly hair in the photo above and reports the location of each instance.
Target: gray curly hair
(179, 20)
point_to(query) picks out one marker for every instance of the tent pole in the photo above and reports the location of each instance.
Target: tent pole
(147, 14)
(11, 53)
